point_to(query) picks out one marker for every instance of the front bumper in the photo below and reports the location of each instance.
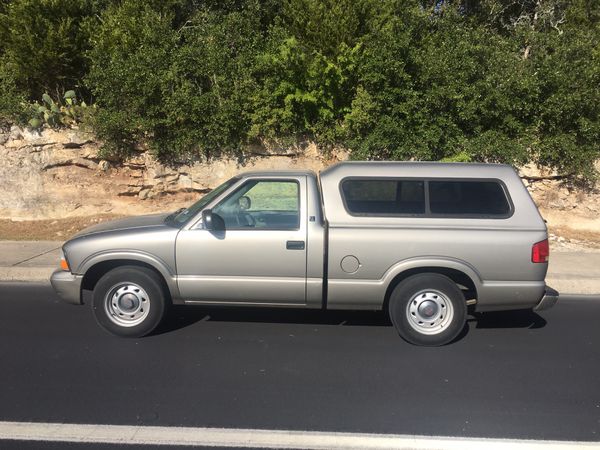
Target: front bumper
(548, 300)
(67, 286)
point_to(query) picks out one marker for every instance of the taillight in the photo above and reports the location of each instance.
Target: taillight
(540, 252)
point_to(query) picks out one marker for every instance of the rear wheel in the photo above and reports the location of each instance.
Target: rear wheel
(129, 301)
(428, 309)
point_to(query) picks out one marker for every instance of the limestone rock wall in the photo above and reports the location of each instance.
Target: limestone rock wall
(563, 205)
(58, 174)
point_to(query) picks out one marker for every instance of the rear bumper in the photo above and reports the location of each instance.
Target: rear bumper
(548, 300)
(511, 295)
(67, 286)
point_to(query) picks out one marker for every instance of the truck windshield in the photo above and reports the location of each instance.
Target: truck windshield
(182, 216)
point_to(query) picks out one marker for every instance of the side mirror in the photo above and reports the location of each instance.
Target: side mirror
(211, 221)
(244, 202)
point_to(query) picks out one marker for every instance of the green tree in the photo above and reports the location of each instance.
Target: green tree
(132, 53)
(566, 63)
(492, 80)
(179, 81)
(306, 75)
(509, 81)
(434, 86)
(44, 44)
(211, 77)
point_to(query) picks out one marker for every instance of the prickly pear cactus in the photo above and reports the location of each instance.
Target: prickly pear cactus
(60, 113)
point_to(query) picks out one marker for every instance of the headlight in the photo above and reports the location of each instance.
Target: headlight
(64, 264)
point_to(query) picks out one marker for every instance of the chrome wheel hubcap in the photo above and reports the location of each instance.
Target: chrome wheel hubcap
(127, 304)
(429, 312)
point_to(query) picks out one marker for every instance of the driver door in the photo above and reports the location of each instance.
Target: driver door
(260, 257)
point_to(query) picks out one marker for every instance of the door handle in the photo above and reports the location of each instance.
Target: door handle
(294, 245)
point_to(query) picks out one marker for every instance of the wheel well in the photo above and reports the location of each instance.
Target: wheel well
(97, 271)
(464, 282)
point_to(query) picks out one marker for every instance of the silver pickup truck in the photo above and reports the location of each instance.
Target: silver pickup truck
(422, 241)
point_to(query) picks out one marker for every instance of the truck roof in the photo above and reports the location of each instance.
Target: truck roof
(397, 169)
(416, 169)
(266, 173)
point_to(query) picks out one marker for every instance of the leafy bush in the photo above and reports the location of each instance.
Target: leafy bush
(301, 93)
(435, 89)
(567, 116)
(43, 46)
(494, 80)
(208, 108)
(45, 43)
(131, 56)
(180, 87)
(11, 101)
(306, 75)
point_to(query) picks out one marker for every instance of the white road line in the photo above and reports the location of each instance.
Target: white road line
(232, 437)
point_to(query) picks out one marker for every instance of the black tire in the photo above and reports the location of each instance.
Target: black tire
(428, 309)
(138, 301)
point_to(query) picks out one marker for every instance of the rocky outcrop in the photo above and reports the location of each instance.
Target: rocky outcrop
(57, 174)
(562, 204)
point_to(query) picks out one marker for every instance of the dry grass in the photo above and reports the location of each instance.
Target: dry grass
(50, 229)
(62, 229)
(591, 238)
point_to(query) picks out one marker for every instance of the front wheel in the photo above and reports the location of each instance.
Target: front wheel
(428, 309)
(129, 301)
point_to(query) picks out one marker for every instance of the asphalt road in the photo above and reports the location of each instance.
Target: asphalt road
(510, 375)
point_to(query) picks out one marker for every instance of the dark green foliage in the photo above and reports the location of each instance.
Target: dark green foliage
(208, 104)
(130, 64)
(510, 81)
(568, 115)
(44, 43)
(435, 87)
(11, 102)
(43, 46)
(307, 74)
(182, 87)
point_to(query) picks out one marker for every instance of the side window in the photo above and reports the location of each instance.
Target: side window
(480, 198)
(262, 204)
(384, 196)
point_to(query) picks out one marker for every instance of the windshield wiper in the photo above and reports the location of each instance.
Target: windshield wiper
(175, 214)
